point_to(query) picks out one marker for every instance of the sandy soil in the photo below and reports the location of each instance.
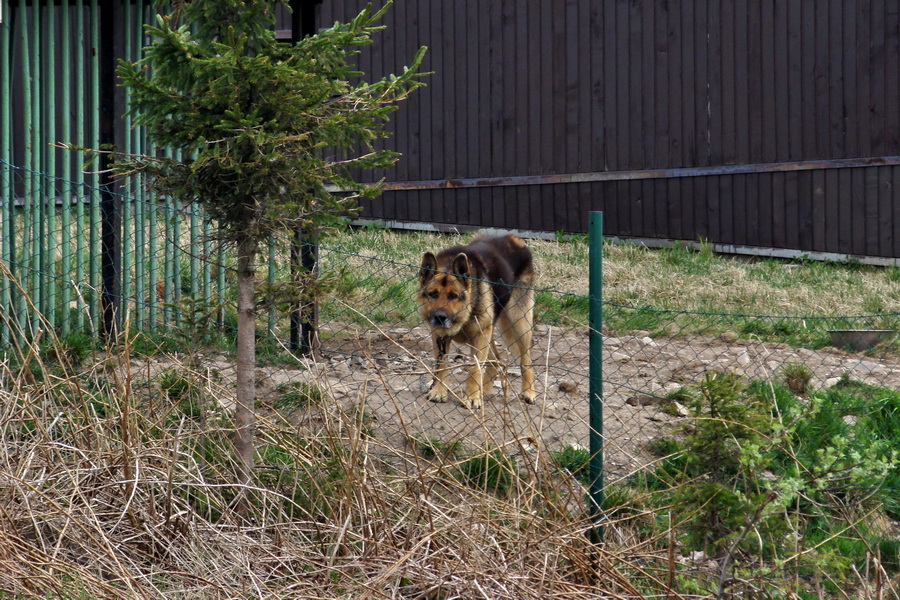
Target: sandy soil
(386, 373)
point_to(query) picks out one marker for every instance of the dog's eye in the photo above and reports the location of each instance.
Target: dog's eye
(452, 296)
(432, 295)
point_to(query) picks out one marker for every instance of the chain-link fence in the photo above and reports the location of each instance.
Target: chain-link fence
(375, 354)
(376, 358)
(653, 360)
(706, 417)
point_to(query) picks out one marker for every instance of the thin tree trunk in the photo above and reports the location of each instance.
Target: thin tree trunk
(245, 415)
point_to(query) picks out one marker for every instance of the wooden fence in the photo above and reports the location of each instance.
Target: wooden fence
(759, 126)
(756, 125)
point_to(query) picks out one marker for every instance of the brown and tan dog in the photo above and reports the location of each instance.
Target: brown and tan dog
(465, 292)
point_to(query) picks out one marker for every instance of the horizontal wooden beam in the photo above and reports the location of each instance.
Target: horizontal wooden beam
(518, 180)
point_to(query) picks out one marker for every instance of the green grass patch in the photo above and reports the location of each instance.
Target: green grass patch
(492, 471)
(430, 448)
(574, 460)
(295, 395)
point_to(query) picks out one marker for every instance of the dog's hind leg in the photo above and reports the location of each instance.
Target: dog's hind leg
(494, 366)
(516, 325)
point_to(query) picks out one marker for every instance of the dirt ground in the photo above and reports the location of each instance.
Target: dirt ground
(384, 376)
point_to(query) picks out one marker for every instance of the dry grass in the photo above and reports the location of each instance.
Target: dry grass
(110, 489)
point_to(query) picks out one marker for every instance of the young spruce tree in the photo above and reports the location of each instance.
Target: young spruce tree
(265, 129)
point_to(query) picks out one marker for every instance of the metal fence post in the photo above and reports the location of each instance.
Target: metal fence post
(595, 271)
(7, 184)
(304, 245)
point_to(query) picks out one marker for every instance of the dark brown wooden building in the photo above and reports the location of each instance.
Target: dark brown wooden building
(759, 125)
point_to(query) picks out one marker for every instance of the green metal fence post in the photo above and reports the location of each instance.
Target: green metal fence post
(67, 191)
(127, 244)
(82, 193)
(207, 261)
(94, 219)
(26, 274)
(595, 271)
(220, 278)
(49, 242)
(152, 266)
(7, 186)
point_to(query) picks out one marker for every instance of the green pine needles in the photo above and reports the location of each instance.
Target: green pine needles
(266, 130)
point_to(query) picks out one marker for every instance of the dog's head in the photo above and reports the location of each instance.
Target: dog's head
(445, 294)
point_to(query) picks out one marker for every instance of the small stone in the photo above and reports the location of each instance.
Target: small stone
(341, 369)
(672, 386)
(642, 400)
(568, 387)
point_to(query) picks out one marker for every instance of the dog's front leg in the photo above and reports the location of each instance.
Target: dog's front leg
(481, 351)
(438, 391)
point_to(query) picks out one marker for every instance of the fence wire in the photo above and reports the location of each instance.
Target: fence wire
(375, 357)
(707, 418)
(377, 354)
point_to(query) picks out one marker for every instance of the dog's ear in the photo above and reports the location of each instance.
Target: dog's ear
(460, 266)
(428, 268)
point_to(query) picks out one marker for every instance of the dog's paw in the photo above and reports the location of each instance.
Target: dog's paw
(437, 393)
(473, 402)
(527, 397)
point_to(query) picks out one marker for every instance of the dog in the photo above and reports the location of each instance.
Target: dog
(465, 292)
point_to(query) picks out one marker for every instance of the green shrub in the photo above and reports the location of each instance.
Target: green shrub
(184, 393)
(298, 395)
(492, 471)
(77, 347)
(574, 460)
(430, 448)
(622, 501)
(759, 464)
(796, 377)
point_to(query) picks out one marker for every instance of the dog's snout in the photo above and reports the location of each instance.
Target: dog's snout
(440, 319)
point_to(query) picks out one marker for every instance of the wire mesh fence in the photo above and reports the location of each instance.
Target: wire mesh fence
(375, 346)
(375, 350)
(691, 400)
(652, 358)
(376, 353)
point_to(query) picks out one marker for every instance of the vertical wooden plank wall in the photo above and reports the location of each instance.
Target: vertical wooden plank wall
(618, 88)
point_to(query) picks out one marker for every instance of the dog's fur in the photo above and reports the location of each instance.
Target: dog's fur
(467, 291)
